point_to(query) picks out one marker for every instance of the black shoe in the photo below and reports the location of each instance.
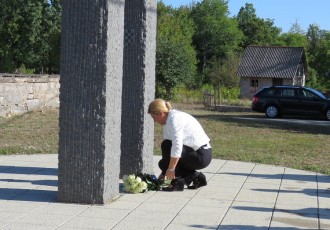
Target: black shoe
(198, 182)
(176, 185)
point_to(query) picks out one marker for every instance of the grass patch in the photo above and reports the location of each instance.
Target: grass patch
(234, 136)
(30, 133)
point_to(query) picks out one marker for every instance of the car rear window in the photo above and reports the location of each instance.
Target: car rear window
(269, 92)
(279, 92)
(287, 92)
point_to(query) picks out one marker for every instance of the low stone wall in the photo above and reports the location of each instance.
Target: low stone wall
(20, 93)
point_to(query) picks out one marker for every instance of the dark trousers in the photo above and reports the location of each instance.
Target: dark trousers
(189, 162)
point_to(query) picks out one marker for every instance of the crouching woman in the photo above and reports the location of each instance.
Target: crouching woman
(185, 148)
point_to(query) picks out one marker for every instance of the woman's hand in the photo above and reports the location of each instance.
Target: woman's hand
(170, 174)
(161, 178)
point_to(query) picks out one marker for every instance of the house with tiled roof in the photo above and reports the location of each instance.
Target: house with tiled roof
(262, 66)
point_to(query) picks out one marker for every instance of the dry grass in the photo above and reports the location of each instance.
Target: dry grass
(29, 133)
(234, 136)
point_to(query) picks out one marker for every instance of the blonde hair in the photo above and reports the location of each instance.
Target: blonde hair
(159, 105)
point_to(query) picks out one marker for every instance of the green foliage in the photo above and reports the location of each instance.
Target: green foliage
(216, 34)
(224, 71)
(230, 94)
(22, 69)
(294, 40)
(184, 95)
(319, 54)
(26, 26)
(312, 81)
(257, 31)
(195, 96)
(175, 57)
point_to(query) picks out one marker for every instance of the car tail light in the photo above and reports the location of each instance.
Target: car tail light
(255, 99)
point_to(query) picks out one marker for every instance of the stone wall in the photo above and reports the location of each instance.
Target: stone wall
(20, 93)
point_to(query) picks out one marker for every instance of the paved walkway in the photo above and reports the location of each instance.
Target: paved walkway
(238, 196)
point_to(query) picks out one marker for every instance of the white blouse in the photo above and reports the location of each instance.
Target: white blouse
(183, 129)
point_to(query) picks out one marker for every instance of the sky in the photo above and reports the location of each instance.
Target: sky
(285, 13)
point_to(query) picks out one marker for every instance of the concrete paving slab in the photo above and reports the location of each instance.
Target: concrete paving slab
(309, 199)
(200, 220)
(289, 220)
(324, 223)
(257, 197)
(20, 226)
(243, 214)
(239, 195)
(90, 223)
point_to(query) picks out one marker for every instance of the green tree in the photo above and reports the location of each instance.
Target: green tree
(50, 54)
(25, 28)
(175, 56)
(224, 71)
(257, 31)
(319, 53)
(312, 80)
(216, 34)
(293, 40)
(322, 59)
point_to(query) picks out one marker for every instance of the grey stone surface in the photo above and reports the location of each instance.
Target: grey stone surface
(90, 100)
(138, 86)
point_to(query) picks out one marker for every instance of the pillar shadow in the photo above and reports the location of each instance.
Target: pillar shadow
(28, 170)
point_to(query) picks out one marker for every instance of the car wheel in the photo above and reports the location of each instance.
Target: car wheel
(272, 111)
(327, 114)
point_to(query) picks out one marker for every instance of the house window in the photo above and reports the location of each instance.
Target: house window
(254, 82)
(277, 81)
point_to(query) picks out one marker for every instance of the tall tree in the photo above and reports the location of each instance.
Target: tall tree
(216, 34)
(319, 53)
(175, 56)
(50, 61)
(314, 39)
(257, 31)
(292, 39)
(224, 70)
(25, 31)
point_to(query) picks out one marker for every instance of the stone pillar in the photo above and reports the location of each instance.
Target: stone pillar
(90, 100)
(138, 86)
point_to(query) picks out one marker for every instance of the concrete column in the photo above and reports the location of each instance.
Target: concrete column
(138, 86)
(90, 100)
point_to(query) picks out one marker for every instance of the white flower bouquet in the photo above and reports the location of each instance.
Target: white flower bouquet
(140, 183)
(134, 184)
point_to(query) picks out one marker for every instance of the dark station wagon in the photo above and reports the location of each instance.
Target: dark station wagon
(276, 101)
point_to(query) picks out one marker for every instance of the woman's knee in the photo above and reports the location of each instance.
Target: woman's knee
(207, 158)
(163, 164)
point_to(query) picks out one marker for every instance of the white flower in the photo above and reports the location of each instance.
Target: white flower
(143, 185)
(134, 184)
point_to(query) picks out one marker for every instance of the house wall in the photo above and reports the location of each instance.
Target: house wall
(23, 93)
(246, 91)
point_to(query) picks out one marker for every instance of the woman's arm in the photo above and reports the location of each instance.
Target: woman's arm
(170, 172)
